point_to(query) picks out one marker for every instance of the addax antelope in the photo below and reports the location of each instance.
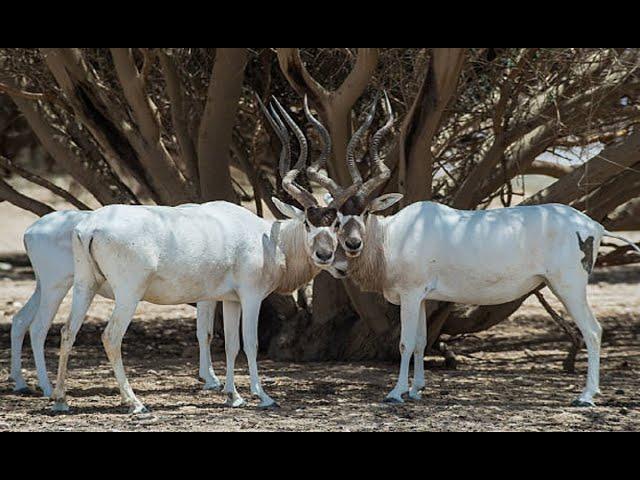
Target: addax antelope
(48, 245)
(213, 252)
(428, 251)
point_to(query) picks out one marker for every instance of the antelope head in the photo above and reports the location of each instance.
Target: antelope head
(355, 210)
(321, 223)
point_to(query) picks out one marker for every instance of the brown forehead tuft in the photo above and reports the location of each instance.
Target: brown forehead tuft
(321, 216)
(354, 205)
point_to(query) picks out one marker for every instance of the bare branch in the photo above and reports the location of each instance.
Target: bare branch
(334, 107)
(590, 175)
(550, 169)
(422, 122)
(46, 96)
(358, 79)
(103, 184)
(33, 178)
(300, 78)
(108, 127)
(178, 114)
(11, 195)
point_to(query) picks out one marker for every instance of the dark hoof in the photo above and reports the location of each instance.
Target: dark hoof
(582, 404)
(138, 410)
(272, 406)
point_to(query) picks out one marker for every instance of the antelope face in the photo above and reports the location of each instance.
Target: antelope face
(321, 230)
(351, 229)
(321, 225)
(355, 212)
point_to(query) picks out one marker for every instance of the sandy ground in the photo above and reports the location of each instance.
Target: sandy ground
(509, 378)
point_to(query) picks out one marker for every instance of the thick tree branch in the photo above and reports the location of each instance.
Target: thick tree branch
(299, 77)
(11, 195)
(33, 178)
(106, 124)
(179, 116)
(354, 85)
(584, 179)
(422, 122)
(216, 124)
(164, 175)
(334, 107)
(615, 192)
(626, 217)
(550, 169)
(102, 183)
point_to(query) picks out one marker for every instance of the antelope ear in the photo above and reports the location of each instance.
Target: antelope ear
(287, 210)
(328, 198)
(384, 201)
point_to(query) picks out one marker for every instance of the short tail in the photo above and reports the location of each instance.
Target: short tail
(633, 245)
(85, 242)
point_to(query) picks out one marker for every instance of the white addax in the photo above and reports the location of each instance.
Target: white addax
(48, 245)
(428, 251)
(217, 251)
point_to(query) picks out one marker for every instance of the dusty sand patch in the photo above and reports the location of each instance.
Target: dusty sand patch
(509, 378)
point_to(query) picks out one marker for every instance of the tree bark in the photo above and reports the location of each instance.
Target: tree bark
(179, 117)
(216, 124)
(103, 184)
(335, 106)
(422, 122)
(33, 178)
(10, 194)
(165, 177)
(107, 125)
(549, 169)
(626, 217)
(589, 176)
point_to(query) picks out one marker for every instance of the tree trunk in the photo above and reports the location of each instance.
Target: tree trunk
(216, 124)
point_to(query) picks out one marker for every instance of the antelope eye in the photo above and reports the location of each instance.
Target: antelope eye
(337, 225)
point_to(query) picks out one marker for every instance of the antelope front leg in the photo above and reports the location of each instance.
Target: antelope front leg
(409, 316)
(418, 355)
(250, 311)
(206, 313)
(231, 312)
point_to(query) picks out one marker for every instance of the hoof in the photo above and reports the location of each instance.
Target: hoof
(393, 400)
(234, 401)
(46, 392)
(415, 396)
(269, 405)
(22, 391)
(60, 407)
(582, 403)
(138, 409)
